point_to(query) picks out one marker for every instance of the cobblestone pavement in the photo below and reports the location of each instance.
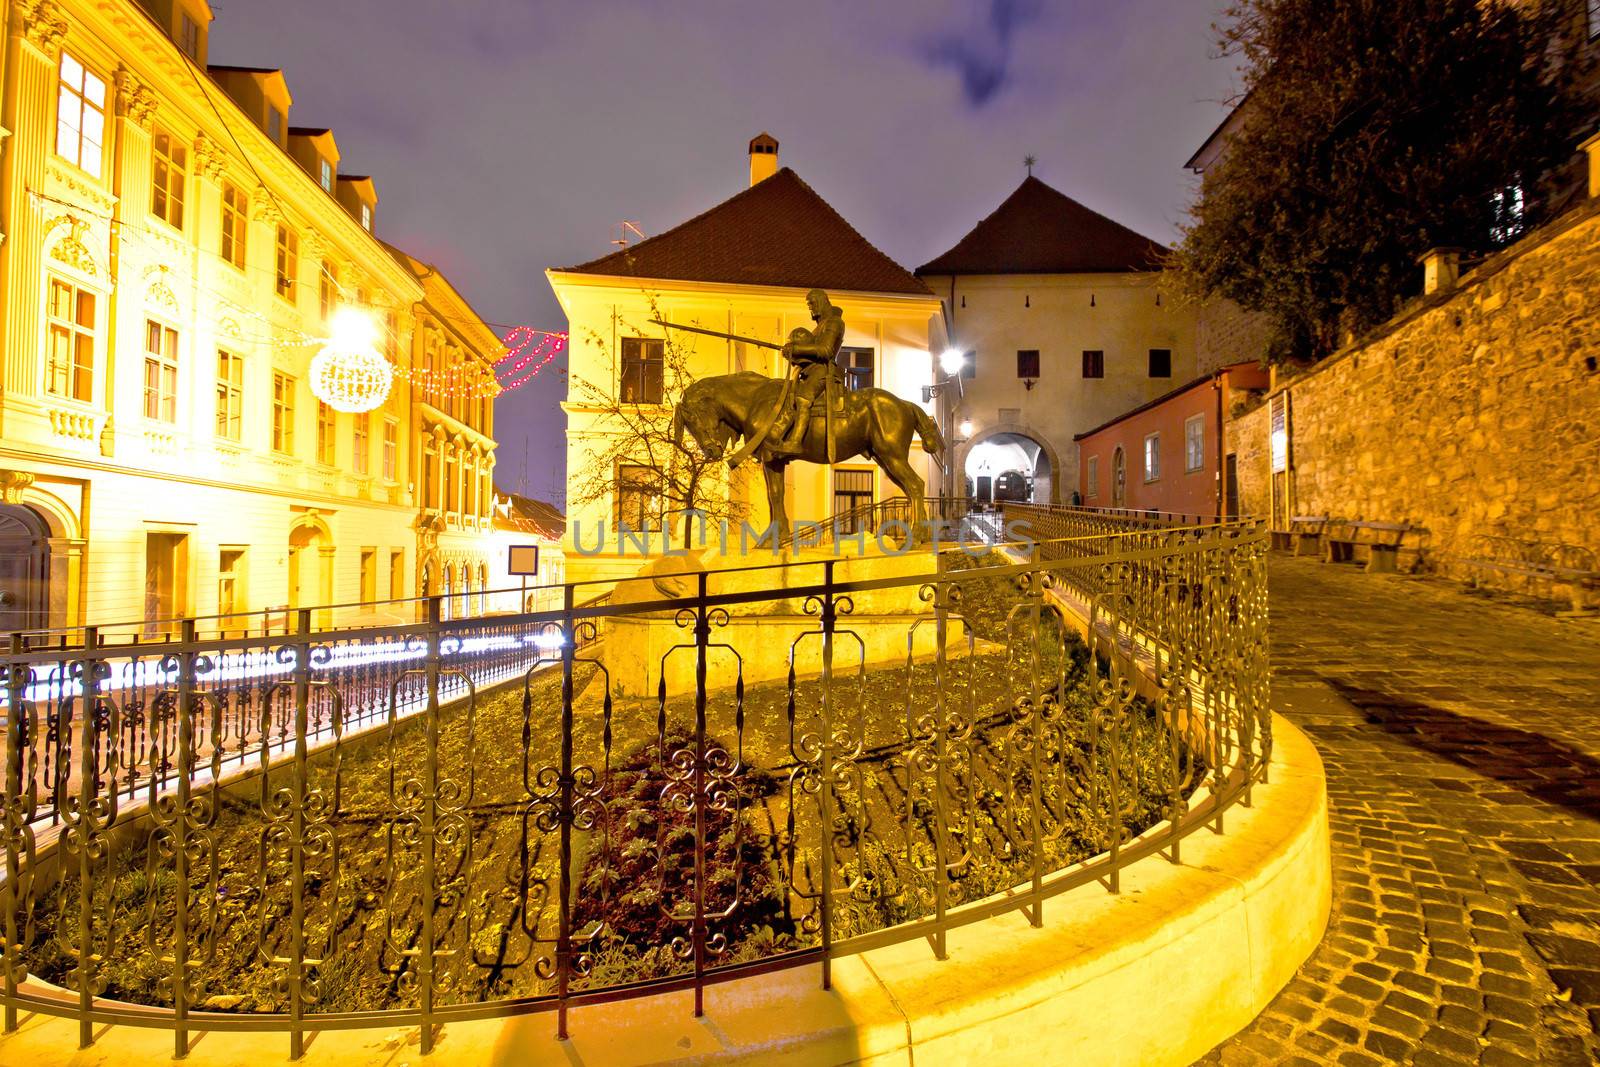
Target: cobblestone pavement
(1461, 737)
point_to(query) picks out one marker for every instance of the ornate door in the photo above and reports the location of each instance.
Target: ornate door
(24, 569)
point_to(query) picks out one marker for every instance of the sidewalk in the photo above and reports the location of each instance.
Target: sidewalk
(1461, 738)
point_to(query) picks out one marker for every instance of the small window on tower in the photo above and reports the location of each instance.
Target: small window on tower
(1094, 363)
(1161, 363)
(1028, 363)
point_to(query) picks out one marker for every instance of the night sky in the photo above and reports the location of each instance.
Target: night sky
(507, 136)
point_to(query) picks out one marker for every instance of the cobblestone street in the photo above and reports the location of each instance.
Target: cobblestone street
(1461, 737)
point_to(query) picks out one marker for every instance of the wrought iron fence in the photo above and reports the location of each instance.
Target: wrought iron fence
(412, 825)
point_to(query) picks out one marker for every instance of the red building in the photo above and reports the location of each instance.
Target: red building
(1167, 455)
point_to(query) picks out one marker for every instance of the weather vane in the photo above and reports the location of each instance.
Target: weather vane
(1028, 161)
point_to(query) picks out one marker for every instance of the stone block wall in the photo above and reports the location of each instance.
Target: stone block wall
(1476, 412)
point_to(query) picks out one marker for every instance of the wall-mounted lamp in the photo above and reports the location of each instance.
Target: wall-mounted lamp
(1025, 300)
(1091, 300)
(964, 428)
(951, 360)
(1027, 383)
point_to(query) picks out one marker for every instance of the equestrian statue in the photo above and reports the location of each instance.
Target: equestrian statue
(779, 421)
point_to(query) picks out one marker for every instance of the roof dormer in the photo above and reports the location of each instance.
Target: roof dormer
(314, 149)
(187, 22)
(262, 94)
(359, 196)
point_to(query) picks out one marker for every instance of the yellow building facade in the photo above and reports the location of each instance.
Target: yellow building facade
(171, 253)
(743, 267)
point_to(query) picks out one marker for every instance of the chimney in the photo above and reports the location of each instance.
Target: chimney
(1440, 269)
(1591, 147)
(763, 157)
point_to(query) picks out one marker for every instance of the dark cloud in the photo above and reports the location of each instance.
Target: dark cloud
(983, 59)
(506, 136)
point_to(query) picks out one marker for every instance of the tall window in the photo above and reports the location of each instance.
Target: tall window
(361, 443)
(1094, 363)
(366, 217)
(69, 369)
(1194, 443)
(1091, 489)
(636, 495)
(369, 575)
(391, 449)
(282, 413)
(641, 370)
(1161, 363)
(1152, 457)
(397, 573)
(160, 372)
(328, 288)
(326, 433)
(167, 178)
(80, 116)
(275, 124)
(235, 210)
(230, 395)
(325, 174)
(288, 261)
(857, 366)
(230, 581)
(852, 488)
(1028, 363)
(189, 36)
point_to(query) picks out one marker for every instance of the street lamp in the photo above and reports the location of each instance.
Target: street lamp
(951, 361)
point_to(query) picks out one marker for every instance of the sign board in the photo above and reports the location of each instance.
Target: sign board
(523, 559)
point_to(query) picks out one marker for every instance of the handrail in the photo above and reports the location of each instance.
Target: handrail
(960, 782)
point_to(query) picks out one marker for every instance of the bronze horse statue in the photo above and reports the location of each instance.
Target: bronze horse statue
(875, 423)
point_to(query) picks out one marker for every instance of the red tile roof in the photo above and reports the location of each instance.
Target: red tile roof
(777, 232)
(532, 516)
(1039, 230)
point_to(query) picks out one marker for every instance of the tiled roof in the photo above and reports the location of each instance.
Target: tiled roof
(777, 232)
(534, 516)
(1039, 230)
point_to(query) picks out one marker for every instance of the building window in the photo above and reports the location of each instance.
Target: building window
(636, 495)
(167, 178)
(1152, 457)
(1507, 208)
(1091, 489)
(328, 289)
(275, 124)
(857, 366)
(189, 36)
(1194, 443)
(235, 211)
(230, 395)
(69, 369)
(1594, 19)
(282, 413)
(1161, 363)
(1028, 363)
(325, 174)
(327, 429)
(641, 370)
(80, 116)
(360, 443)
(366, 217)
(1094, 363)
(369, 575)
(160, 372)
(288, 261)
(230, 581)
(391, 449)
(852, 488)
(397, 573)
(969, 364)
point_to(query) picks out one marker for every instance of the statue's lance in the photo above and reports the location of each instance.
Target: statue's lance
(750, 446)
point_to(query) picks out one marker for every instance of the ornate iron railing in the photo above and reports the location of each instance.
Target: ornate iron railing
(412, 825)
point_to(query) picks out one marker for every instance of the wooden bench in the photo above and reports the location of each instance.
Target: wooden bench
(1382, 540)
(1553, 563)
(1307, 530)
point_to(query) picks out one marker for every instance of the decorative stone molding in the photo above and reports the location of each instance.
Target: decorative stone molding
(43, 24)
(136, 102)
(210, 160)
(266, 208)
(311, 244)
(77, 425)
(161, 297)
(72, 250)
(13, 484)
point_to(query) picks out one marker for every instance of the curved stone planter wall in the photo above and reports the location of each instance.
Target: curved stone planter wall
(1185, 956)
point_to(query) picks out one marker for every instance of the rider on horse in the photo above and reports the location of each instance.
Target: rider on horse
(813, 353)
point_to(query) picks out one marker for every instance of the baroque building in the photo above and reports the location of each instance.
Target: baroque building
(172, 251)
(742, 267)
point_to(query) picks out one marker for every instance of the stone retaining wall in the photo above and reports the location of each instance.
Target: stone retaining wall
(1476, 411)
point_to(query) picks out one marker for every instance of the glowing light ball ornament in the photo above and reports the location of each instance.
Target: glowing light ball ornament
(350, 374)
